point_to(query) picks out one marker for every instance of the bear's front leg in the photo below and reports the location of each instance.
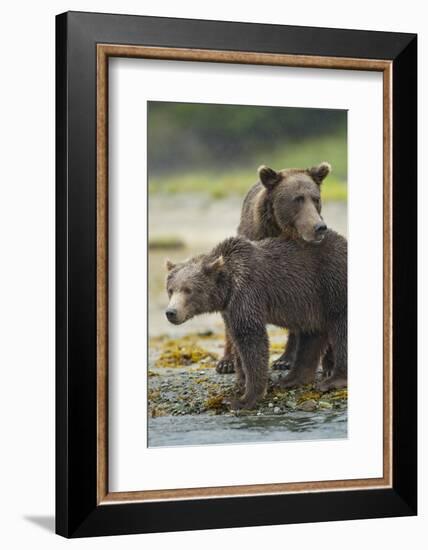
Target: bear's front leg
(286, 361)
(240, 374)
(251, 343)
(226, 363)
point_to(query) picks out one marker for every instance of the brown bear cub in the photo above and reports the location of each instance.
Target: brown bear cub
(273, 281)
(286, 203)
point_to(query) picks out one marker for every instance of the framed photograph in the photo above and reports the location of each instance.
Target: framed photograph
(224, 358)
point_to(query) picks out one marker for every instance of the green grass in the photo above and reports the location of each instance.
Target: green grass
(219, 184)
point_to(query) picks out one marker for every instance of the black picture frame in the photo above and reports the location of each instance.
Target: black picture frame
(77, 511)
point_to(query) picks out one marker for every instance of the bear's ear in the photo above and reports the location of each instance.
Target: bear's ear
(268, 177)
(320, 172)
(216, 265)
(169, 265)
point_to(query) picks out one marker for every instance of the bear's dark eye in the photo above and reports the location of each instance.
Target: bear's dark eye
(299, 198)
(169, 292)
(187, 290)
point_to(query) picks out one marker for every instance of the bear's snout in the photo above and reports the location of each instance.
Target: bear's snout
(171, 314)
(320, 228)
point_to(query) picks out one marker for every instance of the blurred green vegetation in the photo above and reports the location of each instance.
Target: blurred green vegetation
(216, 149)
(219, 184)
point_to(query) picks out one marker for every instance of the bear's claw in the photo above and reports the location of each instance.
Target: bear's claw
(332, 383)
(294, 380)
(238, 404)
(281, 364)
(225, 366)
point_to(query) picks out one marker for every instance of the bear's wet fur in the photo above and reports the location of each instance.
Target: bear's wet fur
(286, 203)
(273, 281)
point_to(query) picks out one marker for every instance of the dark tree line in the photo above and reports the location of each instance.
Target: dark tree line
(186, 135)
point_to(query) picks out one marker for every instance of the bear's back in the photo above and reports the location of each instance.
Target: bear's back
(306, 272)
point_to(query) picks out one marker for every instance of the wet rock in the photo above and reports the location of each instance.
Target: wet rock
(270, 405)
(325, 405)
(277, 410)
(308, 406)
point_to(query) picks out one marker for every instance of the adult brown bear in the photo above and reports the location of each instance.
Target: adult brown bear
(273, 281)
(286, 203)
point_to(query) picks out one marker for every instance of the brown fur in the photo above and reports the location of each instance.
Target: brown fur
(286, 203)
(273, 281)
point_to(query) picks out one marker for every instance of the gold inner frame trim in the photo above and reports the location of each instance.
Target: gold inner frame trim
(104, 51)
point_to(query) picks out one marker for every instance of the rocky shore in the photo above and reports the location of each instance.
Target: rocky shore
(182, 380)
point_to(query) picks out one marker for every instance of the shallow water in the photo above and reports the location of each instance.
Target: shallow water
(170, 431)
